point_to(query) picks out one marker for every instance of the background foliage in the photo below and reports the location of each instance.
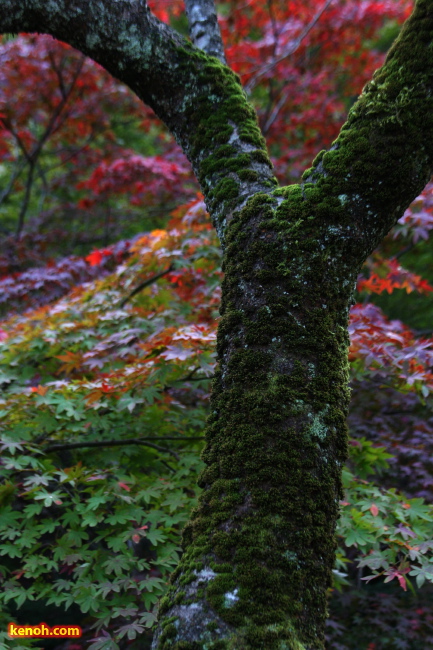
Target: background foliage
(109, 294)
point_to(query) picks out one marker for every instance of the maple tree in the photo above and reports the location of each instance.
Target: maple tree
(124, 362)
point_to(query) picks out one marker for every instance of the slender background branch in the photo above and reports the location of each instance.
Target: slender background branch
(203, 27)
(145, 284)
(267, 67)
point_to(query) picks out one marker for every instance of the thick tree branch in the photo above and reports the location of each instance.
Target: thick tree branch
(203, 27)
(383, 157)
(200, 100)
(380, 162)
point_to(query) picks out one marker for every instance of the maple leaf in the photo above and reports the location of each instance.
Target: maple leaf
(173, 353)
(395, 573)
(95, 258)
(40, 390)
(71, 361)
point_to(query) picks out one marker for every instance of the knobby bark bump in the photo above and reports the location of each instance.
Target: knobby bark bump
(259, 549)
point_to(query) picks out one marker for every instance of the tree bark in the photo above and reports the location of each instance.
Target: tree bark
(259, 549)
(203, 27)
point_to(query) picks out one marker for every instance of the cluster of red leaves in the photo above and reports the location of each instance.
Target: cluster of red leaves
(66, 161)
(165, 10)
(73, 108)
(389, 348)
(313, 59)
(42, 284)
(389, 276)
(138, 176)
(417, 221)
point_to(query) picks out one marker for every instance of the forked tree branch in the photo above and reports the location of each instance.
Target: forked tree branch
(380, 162)
(259, 549)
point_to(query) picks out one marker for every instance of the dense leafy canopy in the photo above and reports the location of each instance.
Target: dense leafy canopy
(109, 292)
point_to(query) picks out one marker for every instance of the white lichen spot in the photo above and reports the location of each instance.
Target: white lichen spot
(317, 428)
(343, 198)
(206, 574)
(230, 598)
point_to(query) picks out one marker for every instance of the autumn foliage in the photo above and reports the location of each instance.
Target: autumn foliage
(109, 292)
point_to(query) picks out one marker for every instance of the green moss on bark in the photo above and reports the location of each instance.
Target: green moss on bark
(277, 421)
(383, 157)
(280, 394)
(225, 143)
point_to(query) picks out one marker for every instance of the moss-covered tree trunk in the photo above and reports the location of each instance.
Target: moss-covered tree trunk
(259, 550)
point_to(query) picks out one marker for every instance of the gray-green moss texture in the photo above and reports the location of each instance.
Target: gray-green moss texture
(276, 436)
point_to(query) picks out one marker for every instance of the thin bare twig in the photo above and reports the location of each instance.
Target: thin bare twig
(183, 379)
(26, 201)
(33, 155)
(268, 66)
(110, 443)
(403, 251)
(275, 111)
(145, 284)
(19, 166)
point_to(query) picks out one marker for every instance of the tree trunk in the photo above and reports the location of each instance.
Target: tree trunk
(259, 549)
